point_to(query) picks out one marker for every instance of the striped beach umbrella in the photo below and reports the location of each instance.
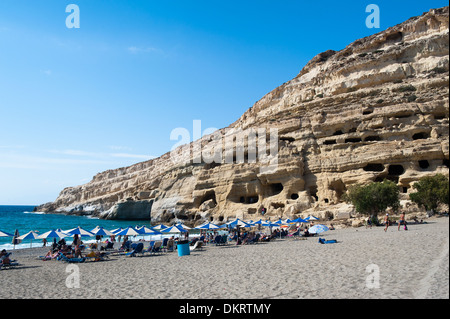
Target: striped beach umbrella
(79, 231)
(115, 231)
(3, 234)
(53, 234)
(237, 222)
(298, 220)
(129, 231)
(160, 227)
(208, 226)
(30, 235)
(100, 231)
(176, 229)
(311, 218)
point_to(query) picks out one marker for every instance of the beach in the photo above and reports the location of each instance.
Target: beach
(363, 264)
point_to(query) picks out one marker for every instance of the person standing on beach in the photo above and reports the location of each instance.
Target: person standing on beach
(386, 222)
(402, 221)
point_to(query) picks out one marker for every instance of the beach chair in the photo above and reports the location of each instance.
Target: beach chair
(71, 260)
(164, 244)
(156, 247)
(7, 263)
(197, 246)
(137, 249)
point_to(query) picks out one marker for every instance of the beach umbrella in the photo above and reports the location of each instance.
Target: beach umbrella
(208, 226)
(147, 231)
(159, 227)
(53, 234)
(298, 220)
(311, 218)
(317, 229)
(3, 234)
(115, 231)
(183, 226)
(100, 231)
(30, 235)
(129, 231)
(79, 231)
(237, 222)
(173, 230)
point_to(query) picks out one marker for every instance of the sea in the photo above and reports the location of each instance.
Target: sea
(23, 219)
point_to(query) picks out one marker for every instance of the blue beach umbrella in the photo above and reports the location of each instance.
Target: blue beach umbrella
(311, 218)
(100, 231)
(298, 220)
(79, 231)
(115, 231)
(208, 226)
(237, 222)
(317, 229)
(160, 227)
(174, 229)
(3, 234)
(30, 235)
(129, 231)
(53, 234)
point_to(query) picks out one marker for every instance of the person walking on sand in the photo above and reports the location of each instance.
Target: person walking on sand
(386, 222)
(402, 221)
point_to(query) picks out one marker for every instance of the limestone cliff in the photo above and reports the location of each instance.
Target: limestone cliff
(377, 109)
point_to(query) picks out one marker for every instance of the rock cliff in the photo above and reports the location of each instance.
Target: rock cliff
(377, 109)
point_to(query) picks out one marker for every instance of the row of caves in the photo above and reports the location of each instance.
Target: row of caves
(250, 195)
(372, 138)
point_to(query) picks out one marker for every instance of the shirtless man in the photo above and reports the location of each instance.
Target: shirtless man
(401, 221)
(386, 221)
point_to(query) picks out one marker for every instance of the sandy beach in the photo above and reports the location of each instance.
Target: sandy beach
(365, 263)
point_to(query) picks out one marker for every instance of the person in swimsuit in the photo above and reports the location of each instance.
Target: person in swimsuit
(386, 221)
(402, 221)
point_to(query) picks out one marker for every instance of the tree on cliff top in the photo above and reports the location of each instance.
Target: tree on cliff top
(431, 191)
(373, 198)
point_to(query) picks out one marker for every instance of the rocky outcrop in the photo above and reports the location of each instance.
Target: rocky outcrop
(376, 109)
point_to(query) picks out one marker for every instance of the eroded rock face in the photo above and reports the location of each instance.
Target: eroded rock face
(376, 109)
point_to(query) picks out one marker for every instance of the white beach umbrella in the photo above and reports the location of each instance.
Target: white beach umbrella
(144, 230)
(30, 235)
(184, 226)
(237, 222)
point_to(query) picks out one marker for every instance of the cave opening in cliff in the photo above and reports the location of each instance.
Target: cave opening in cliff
(367, 111)
(372, 138)
(396, 170)
(277, 205)
(420, 136)
(446, 162)
(338, 132)
(275, 189)
(248, 199)
(424, 164)
(294, 196)
(208, 196)
(353, 140)
(405, 189)
(329, 142)
(374, 167)
(313, 192)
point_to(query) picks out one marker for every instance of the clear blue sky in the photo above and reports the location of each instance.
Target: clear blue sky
(75, 102)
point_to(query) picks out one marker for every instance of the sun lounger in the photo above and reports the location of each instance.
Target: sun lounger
(197, 246)
(156, 248)
(137, 249)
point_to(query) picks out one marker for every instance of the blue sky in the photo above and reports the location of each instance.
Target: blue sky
(75, 102)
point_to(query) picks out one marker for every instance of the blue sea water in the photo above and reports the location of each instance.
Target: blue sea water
(24, 219)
